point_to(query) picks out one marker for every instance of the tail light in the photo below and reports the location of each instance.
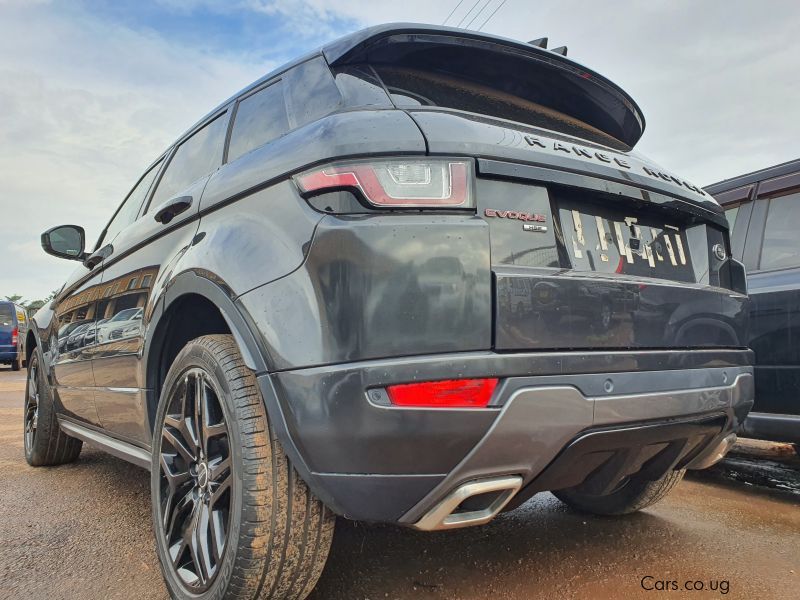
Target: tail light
(451, 393)
(397, 183)
(14, 336)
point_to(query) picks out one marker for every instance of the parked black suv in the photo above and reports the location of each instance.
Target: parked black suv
(764, 213)
(415, 277)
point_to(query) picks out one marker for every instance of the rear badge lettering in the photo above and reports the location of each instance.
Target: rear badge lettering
(512, 214)
(617, 161)
(536, 228)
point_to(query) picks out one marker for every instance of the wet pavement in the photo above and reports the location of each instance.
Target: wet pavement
(83, 531)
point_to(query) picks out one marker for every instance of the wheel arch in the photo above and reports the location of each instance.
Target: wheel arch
(30, 343)
(190, 286)
(191, 306)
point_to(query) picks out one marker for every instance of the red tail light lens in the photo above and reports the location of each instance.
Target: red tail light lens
(451, 393)
(397, 183)
(14, 336)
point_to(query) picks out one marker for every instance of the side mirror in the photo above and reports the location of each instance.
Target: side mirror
(65, 241)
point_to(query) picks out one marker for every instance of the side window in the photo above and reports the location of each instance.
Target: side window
(260, 118)
(130, 207)
(196, 157)
(311, 92)
(781, 247)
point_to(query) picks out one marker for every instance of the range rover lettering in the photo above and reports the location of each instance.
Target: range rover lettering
(415, 277)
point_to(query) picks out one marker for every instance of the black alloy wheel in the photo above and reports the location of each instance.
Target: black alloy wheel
(231, 517)
(44, 442)
(31, 406)
(195, 477)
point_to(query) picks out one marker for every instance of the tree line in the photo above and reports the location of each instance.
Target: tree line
(33, 305)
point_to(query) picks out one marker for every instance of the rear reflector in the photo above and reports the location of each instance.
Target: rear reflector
(451, 393)
(397, 183)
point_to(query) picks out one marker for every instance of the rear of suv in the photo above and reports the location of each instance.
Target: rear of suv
(13, 329)
(415, 277)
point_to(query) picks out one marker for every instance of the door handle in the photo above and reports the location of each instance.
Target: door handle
(174, 206)
(96, 258)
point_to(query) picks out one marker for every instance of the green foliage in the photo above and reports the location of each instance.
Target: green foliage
(33, 305)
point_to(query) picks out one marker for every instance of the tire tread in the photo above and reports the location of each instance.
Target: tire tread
(276, 557)
(636, 495)
(51, 446)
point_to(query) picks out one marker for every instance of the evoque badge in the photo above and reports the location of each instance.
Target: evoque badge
(512, 214)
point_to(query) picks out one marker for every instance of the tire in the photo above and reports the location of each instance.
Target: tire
(16, 364)
(273, 533)
(44, 442)
(633, 496)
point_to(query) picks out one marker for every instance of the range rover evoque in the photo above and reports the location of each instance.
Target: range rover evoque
(414, 277)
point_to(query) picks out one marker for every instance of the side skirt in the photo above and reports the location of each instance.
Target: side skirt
(133, 454)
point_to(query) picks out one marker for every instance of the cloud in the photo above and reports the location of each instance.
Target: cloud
(85, 106)
(89, 95)
(715, 80)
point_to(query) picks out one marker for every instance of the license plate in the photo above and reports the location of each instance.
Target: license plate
(613, 242)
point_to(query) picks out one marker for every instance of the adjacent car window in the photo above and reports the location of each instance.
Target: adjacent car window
(194, 158)
(781, 247)
(130, 207)
(730, 214)
(6, 315)
(260, 118)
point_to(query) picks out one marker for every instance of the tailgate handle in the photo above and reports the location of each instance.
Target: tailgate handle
(169, 209)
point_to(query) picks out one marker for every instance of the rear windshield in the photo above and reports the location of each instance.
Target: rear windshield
(494, 79)
(6, 315)
(498, 95)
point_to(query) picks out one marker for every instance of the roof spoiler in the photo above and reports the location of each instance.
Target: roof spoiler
(616, 104)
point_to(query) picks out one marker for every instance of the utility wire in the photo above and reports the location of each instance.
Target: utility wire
(452, 12)
(499, 6)
(468, 13)
(477, 14)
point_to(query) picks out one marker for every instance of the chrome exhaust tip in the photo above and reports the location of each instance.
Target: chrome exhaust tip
(450, 514)
(717, 454)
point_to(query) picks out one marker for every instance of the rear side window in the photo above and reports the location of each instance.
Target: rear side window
(311, 92)
(781, 247)
(304, 94)
(260, 118)
(195, 158)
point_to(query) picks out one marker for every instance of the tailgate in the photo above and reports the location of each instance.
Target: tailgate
(582, 269)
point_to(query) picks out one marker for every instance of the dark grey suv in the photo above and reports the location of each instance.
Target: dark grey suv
(415, 277)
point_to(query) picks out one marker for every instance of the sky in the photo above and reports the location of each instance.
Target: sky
(93, 91)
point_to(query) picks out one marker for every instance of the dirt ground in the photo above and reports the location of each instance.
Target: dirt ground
(83, 531)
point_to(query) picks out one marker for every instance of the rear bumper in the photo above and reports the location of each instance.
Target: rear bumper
(372, 461)
(772, 427)
(8, 353)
